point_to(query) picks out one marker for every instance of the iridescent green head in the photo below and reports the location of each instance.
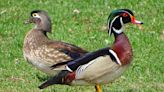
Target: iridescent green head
(118, 18)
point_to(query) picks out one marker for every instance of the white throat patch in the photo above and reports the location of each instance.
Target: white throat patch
(121, 29)
(115, 30)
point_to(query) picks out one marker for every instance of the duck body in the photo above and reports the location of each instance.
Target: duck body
(104, 65)
(99, 67)
(103, 69)
(42, 52)
(36, 51)
(100, 76)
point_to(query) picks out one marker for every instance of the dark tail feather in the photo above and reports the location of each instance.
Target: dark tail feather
(58, 79)
(49, 82)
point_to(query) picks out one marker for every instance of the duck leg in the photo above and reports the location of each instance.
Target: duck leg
(98, 88)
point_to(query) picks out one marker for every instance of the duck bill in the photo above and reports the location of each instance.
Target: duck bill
(28, 21)
(134, 21)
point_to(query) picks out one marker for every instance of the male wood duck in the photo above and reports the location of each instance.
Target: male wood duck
(42, 52)
(104, 65)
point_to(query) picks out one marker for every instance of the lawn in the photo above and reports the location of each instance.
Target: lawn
(85, 29)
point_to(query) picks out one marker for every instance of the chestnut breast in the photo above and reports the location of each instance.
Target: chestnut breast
(123, 49)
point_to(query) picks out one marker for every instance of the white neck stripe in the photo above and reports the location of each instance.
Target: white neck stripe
(67, 68)
(115, 55)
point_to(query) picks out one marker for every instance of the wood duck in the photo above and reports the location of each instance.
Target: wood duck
(104, 65)
(42, 52)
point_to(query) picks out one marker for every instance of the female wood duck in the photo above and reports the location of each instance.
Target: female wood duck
(104, 65)
(42, 52)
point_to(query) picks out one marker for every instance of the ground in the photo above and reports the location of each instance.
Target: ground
(83, 22)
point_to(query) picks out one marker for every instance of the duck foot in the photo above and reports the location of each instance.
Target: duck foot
(98, 88)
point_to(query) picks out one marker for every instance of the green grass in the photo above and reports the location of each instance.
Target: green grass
(85, 29)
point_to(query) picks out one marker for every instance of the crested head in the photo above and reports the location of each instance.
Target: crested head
(118, 18)
(41, 20)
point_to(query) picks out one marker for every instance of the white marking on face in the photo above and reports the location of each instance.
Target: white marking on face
(121, 21)
(121, 29)
(35, 15)
(110, 25)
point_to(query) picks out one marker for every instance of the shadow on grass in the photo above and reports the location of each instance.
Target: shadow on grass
(42, 77)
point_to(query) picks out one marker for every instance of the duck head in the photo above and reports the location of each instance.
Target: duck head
(118, 18)
(41, 20)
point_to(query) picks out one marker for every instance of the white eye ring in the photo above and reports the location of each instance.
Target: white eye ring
(35, 15)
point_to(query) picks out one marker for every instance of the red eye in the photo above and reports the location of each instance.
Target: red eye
(124, 14)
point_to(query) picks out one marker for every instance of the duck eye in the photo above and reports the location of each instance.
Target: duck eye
(34, 14)
(124, 14)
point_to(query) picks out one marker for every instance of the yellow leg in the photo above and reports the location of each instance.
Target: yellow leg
(98, 88)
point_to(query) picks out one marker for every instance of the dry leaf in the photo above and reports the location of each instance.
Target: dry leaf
(76, 11)
(162, 35)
